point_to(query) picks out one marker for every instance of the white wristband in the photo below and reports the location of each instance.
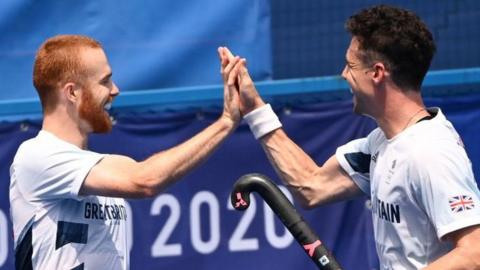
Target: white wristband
(262, 121)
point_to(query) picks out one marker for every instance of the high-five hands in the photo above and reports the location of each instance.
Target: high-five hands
(248, 96)
(229, 68)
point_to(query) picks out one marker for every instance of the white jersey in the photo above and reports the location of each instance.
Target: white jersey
(55, 228)
(421, 187)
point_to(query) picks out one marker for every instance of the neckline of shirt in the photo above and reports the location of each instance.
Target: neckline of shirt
(435, 114)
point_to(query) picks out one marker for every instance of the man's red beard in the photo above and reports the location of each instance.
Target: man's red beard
(94, 113)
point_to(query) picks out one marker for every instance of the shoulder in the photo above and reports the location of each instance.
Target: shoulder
(435, 138)
(37, 147)
(376, 137)
(30, 150)
(435, 147)
(436, 153)
(28, 162)
(43, 151)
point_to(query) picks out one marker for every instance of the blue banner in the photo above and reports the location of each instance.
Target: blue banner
(150, 44)
(192, 225)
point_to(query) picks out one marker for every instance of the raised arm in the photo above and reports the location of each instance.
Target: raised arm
(121, 176)
(312, 184)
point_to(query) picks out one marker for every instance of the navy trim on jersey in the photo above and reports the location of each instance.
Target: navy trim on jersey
(24, 252)
(78, 267)
(428, 117)
(70, 232)
(360, 162)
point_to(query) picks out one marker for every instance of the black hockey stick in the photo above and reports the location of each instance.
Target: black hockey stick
(281, 206)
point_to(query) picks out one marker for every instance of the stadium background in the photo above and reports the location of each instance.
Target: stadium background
(163, 55)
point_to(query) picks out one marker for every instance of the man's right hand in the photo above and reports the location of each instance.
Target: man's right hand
(248, 94)
(249, 97)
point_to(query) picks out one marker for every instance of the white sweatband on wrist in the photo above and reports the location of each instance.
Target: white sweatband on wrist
(262, 121)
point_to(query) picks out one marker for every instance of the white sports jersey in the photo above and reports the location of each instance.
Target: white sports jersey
(54, 228)
(421, 187)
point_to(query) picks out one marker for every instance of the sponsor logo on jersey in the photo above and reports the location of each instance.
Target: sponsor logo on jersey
(387, 211)
(391, 172)
(461, 203)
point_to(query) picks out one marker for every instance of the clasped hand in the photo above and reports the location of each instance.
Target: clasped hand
(240, 94)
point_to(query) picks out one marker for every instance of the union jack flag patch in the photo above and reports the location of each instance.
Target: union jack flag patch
(461, 203)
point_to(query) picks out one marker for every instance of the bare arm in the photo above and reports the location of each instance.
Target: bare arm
(465, 255)
(312, 185)
(121, 176)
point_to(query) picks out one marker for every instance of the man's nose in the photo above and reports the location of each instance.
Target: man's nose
(344, 72)
(115, 91)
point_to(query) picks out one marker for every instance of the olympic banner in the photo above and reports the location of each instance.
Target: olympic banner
(192, 223)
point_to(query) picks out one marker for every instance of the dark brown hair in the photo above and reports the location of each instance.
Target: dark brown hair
(57, 62)
(397, 38)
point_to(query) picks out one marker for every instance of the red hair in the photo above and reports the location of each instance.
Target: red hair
(57, 62)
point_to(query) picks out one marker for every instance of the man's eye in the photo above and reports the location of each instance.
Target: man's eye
(105, 81)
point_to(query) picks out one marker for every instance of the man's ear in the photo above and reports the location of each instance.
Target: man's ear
(379, 72)
(71, 92)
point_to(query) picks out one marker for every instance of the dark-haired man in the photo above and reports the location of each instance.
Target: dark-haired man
(413, 166)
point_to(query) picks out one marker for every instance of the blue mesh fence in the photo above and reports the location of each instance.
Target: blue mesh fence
(309, 39)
